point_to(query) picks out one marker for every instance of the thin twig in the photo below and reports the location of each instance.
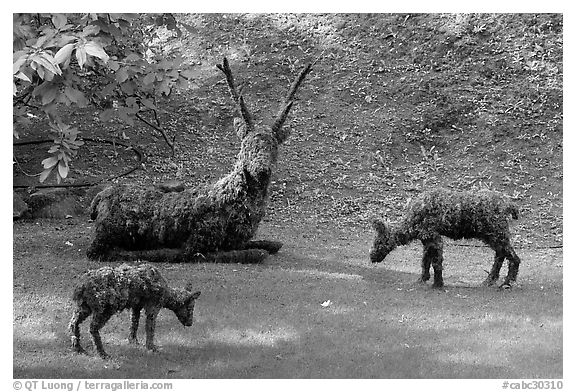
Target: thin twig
(139, 155)
(159, 129)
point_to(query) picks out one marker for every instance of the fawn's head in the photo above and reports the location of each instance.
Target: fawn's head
(184, 309)
(383, 241)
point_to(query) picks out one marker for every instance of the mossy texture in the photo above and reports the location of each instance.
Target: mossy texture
(107, 291)
(195, 224)
(482, 215)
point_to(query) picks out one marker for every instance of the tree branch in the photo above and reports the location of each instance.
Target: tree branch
(159, 129)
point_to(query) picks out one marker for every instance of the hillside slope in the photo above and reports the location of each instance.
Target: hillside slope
(395, 104)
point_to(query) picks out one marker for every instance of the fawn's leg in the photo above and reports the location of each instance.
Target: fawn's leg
(433, 249)
(80, 314)
(98, 321)
(494, 273)
(151, 315)
(135, 320)
(425, 276)
(513, 266)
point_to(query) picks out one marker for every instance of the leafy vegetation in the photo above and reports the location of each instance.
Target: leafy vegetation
(109, 61)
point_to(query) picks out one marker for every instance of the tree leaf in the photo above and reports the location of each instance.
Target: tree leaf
(49, 94)
(23, 77)
(149, 79)
(81, 55)
(46, 61)
(124, 114)
(44, 175)
(93, 49)
(121, 75)
(76, 96)
(148, 103)
(113, 65)
(49, 162)
(64, 53)
(59, 20)
(63, 169)
(90, 30)
(18, 63)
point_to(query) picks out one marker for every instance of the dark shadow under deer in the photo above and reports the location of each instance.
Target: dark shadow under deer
(213, 222)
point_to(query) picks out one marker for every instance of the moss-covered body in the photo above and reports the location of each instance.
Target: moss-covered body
(107, 291)
(138, 222)
(482, 215)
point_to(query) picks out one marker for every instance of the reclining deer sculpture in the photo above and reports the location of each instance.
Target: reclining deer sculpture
(213, 222)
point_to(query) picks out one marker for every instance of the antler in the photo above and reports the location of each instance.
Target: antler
(236, 95)
(287, 105)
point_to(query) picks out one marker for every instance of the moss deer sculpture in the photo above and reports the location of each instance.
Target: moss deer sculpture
(435, 213)
(213, 222)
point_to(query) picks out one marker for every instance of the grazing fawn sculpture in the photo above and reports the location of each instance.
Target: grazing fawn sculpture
(107, 291)
(441, 212)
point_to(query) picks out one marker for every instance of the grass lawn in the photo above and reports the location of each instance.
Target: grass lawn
(267, 321)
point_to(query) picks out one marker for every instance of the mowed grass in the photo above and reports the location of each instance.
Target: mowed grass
(267, 321)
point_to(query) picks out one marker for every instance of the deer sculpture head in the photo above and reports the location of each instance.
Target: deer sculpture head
(259, 148)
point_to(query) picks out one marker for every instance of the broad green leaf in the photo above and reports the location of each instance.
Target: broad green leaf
(76, 96)
(149, 79)
(18, 63)
(148, 103)
(90, 30)
(63, 169)
(44, 175)
(122, 75)
(64, 53)
(59, 20)
(113, 65)
(47, 61)
(93, 49)
(81, 55)
(128, 88)
(23, 77)
(40, 41)
(49, 162)
(124, 114)
(49, 94)
(132, 57)
(65, 39)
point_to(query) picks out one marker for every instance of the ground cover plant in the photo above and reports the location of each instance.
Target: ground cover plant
(396, 104)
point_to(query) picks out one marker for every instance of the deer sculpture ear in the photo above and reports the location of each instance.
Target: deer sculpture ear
(240, 128)
(379, 226)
